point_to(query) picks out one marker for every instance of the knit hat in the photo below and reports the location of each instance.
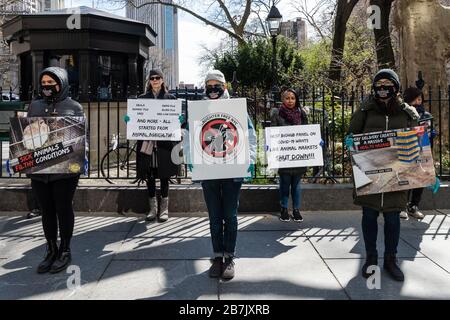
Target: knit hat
(156, 72)
(411, 94)
(215, 75)
(387, 74)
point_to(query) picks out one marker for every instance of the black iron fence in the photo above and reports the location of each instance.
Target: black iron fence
(112, 157)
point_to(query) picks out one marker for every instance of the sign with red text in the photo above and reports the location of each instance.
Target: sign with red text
(294, 146)
(47, 145)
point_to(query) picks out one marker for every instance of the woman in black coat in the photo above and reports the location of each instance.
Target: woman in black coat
(154, 159)
(55, 192)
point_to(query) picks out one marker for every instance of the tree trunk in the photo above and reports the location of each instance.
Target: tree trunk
(424, 35)
(385, 53)
(343, 11)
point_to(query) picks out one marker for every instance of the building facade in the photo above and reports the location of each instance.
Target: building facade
(164, 21)
(295, 30)
(9, 65)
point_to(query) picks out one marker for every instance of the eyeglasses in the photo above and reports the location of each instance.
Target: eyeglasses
(155, 78)
(216, 86)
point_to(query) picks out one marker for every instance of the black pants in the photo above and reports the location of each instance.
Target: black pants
(415, 195)
(391, 231)
(151, 186)
(55, 199)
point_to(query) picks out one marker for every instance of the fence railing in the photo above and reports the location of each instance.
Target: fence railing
(112, 157)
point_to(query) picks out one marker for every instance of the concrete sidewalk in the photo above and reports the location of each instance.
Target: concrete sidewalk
(126, 258)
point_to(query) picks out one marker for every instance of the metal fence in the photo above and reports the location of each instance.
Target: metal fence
(112, 157)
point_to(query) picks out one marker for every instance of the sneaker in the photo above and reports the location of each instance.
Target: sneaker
(284, 216)
(414, 212)
(297, 216)
(216, 268)
(228, 269)
(34, 213)
(404, 215)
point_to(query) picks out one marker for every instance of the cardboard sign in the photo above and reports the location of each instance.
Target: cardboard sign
(152, 119)
(47, 145)
(294, 146)
(218, 133)
(392, 160)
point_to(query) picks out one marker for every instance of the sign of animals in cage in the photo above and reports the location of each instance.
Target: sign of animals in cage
(392, 160)
(47, 145)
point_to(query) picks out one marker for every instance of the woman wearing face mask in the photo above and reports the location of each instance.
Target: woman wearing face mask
(384, 110)
(290, 114)
(154, 159)
(222, 195)
(55, 191)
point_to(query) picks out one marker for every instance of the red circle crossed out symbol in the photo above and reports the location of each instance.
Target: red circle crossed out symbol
(219, 138)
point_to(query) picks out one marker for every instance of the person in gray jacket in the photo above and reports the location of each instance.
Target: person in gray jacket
(55, 192)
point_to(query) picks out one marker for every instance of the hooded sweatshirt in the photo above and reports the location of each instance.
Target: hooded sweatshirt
(60, 105)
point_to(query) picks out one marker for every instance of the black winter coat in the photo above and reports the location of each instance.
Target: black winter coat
(61, 105)
(165, 167)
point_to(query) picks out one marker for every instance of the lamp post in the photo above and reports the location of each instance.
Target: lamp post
(274, 26)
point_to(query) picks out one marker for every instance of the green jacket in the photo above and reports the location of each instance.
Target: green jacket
(372, 117)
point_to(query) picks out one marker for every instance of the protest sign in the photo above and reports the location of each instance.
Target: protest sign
(47, 145)
(152, 119)
(219, 139)
(294, 146)
(392, 160)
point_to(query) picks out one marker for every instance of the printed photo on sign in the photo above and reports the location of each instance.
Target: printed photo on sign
(294, 146)
(47, 145)
(392, 160)
(219, 139)
(152, 119)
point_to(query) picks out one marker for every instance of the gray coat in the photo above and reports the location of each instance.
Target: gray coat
(62, 105)
(277, 121)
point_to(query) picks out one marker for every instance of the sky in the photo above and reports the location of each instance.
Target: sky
(192, 35)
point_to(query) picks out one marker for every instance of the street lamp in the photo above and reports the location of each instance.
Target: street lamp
(274, 25)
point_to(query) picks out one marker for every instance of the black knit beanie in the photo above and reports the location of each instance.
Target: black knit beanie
(387, 74)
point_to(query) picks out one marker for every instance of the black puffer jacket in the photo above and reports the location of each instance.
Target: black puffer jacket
(61, 105)
(166, 168)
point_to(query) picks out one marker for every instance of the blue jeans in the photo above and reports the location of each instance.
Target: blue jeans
(391, 231)
(222, 201)
(290, 184)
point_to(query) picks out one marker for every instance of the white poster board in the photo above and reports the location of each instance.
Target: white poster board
(152, 119)
(218, 133)
(294, 146)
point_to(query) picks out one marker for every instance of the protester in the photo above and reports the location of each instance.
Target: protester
(290, 114)
(384, 110)
(154, 159)
(55, 191)
(222, 195)
(414, 97)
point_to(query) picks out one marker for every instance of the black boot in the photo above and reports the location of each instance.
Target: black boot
(64, 258)
(50, 257)
(390, 265)
(371, 260)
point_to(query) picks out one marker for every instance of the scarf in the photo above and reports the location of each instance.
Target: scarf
(292, 116)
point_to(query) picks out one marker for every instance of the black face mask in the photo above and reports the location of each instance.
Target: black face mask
(214, 90)
(385, 92)
(49, 91)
